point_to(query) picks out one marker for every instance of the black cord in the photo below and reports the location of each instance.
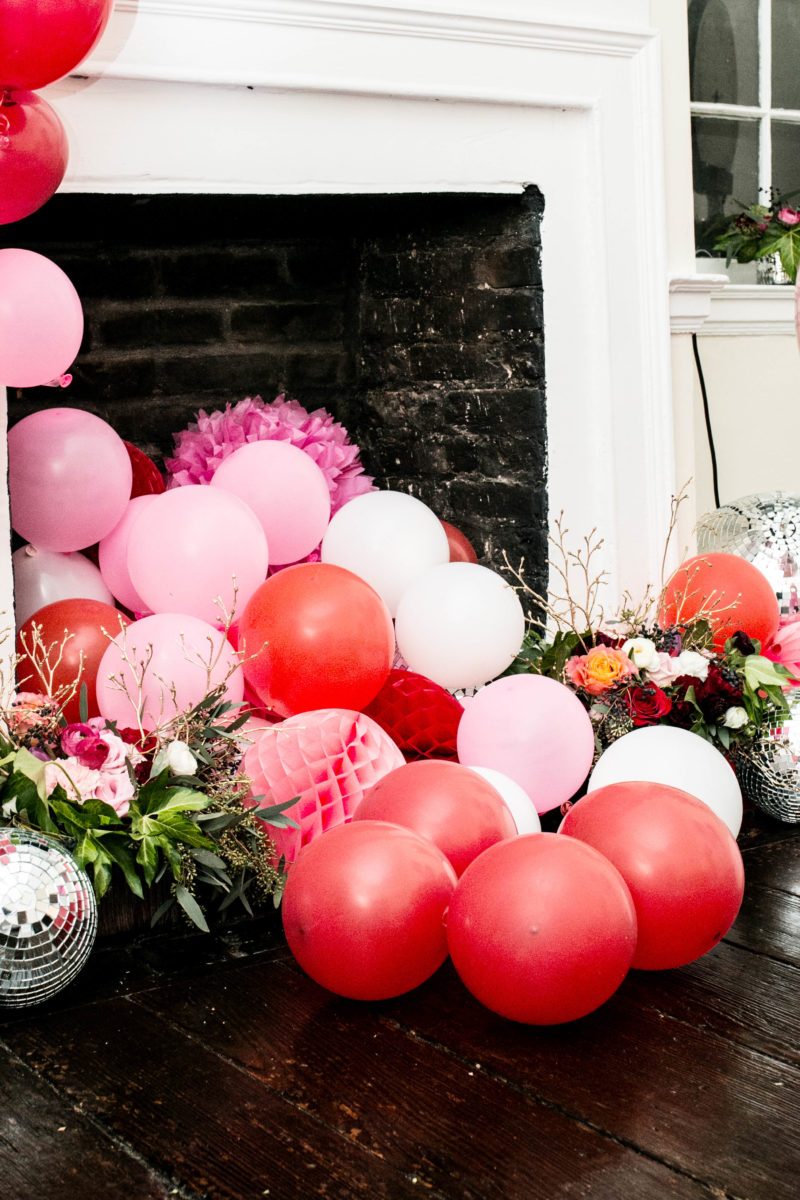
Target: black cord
(708, 420)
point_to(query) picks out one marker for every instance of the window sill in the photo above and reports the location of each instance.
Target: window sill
(743, 308)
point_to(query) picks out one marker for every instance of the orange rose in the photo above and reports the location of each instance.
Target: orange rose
(599, 669)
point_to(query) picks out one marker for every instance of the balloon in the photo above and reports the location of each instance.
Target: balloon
(665, 754)
(389, 539)
(460, 812)
(41, 322)
(69, 478)
(41, 40)
(682, 866)
(533, 729)
(33, 153)
(286, 490)
(42, 577)
(418, 714)
(315, 636)
(112, 556)
(460, 624)
(539, 933)
(88, 626)
(516, 799)
(184, 658)
(147, 479)
(728, 590)
(461, 549)
(363, 910)
(328, 759)
(197, 550)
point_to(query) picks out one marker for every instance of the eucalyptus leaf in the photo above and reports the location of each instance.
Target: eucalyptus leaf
(190, 906)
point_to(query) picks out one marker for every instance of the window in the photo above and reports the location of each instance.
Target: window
(744, 61)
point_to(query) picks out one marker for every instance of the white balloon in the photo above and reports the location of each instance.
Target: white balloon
(517, 800)
(387, 538)
(45, 576)
(460, 625)
(665, 754)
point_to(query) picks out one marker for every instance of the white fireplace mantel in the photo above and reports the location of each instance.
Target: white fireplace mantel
(318, 96)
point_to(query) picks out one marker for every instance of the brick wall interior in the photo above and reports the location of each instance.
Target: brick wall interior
(416, 320)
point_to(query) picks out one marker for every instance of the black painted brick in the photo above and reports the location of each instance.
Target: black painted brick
(221, 271)
(288, 322)
(173, 326)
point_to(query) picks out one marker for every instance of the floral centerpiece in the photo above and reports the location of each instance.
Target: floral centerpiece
(762, 231)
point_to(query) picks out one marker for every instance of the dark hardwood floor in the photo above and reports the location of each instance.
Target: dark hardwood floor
(190, 1066)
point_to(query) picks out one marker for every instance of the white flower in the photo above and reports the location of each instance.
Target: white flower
(177, 757)
(664, 670)
(735, 717)
(689, 662)
(642, 652)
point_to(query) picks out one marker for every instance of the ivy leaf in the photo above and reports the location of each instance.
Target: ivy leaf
(117, 848)
(157, 796)
(28, 799)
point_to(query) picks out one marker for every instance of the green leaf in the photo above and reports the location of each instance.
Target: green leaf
(147, 857)
(116, 848)
(192, 909)
(208, 859)
(157, 796)
(83, 704)
(28, 799)
(162, 908)
(760, 672)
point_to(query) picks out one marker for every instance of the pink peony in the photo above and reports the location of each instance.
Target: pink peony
(85, 744)
(789, 216)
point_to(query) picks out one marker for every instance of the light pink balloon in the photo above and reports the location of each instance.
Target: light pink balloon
(69, 478)
(193, 545)
(44, 576)
(112, 554)
(182, 653)
(41, 320)
(285, 489)
(532, 729)
(329, 758)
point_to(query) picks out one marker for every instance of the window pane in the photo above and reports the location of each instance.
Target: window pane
(723, 51)
(786, 158)
(725, 158)
(785, 54)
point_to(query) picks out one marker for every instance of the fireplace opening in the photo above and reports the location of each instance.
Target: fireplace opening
(416, 320)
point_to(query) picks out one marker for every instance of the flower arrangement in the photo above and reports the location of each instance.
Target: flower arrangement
(763, 230)
(138, 803)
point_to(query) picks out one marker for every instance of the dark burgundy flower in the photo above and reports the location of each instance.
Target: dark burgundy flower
(647, 703)
(742, 642)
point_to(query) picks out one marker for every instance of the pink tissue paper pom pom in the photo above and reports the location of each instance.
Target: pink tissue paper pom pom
(210, 439)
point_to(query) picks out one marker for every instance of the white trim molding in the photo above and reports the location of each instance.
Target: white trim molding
(690, 300)
(742, 310)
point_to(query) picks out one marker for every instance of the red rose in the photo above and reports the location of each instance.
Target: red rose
(647, 703)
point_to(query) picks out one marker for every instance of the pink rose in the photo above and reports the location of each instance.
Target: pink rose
(120, 752)
(77, 780)
(789, 216)
(599, 669)
(26, 711)
(664, 672)
(84, 743)
(116, 789)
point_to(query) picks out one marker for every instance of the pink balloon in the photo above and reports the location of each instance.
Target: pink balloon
(44, 576)
(185, 658)
(33, 154)
(328, 758)
(41, 321)
(532, 729)
(112, 555)
(69, 477)
(285, 489)
(194, 545)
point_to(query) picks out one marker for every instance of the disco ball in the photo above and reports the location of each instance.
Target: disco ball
(768, 770)
(764, 529)
(48, 917)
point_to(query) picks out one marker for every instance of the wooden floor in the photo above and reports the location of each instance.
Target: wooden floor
(186, 1066)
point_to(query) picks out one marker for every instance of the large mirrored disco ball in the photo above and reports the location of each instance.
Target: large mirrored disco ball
(48, 917)
(764, 529)
(769, 770)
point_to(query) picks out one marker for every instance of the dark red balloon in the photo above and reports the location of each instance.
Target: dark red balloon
(540, 931)
(461, 549)
(363, 909)
(419, 716)
(41, 40)
(457, 809)
(82, 622)
(33, 153)
(147, 479)
(679, 860)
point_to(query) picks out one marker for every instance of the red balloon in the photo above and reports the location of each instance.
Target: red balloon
(83, 622)
(419, 715)
(33, 153)
(539, 933)
(147, 479)
(363, 909)
(728, 590)
(315, 636)
(680, 861)
(461, 549)
(451, 805)
(41, 40)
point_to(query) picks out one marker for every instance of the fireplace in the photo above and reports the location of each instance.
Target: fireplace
(290, 98)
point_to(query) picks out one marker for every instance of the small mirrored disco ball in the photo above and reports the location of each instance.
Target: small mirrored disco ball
(764, 529)
(48, 917)
(769, 770)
